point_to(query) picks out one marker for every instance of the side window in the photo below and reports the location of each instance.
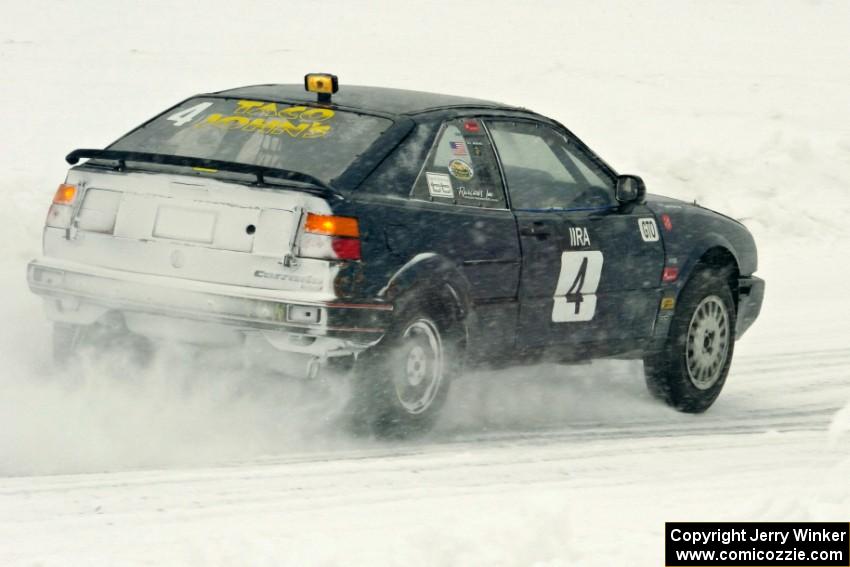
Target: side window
(461, 168)
(545, 170)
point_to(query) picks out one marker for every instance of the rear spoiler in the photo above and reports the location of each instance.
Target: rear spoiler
(204, 164)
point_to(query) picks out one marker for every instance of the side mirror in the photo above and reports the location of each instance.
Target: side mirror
(631, 190)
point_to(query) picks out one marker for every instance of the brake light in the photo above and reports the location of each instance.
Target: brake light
(330, 237)
(65, 194)
(346, 248)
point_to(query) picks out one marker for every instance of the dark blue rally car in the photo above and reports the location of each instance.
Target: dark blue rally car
(405, 235)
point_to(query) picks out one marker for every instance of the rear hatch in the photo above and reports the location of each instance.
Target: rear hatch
(204, 224)
(184, 227)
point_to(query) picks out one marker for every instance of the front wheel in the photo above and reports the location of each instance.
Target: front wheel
(690, 370)
(401, 384)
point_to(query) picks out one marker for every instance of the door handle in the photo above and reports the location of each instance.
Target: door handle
(537, 230)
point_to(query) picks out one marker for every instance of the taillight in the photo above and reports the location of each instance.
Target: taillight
(62, 209)
(65, 194)
(331, 225)
(331, 237)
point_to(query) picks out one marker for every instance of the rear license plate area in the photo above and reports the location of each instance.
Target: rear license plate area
(176, 223)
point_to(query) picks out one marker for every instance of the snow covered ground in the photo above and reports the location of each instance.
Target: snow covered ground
(740, 105)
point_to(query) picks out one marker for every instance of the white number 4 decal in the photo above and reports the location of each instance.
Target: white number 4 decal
(575, 294)
(187, 115)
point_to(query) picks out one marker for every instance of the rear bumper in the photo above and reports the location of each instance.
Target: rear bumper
(750, 296)
(82, 295)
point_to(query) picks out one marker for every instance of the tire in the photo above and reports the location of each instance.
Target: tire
(690, 369)
(401, 384)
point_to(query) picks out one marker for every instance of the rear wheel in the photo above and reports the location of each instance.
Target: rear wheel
(401, 384)
(690, 370)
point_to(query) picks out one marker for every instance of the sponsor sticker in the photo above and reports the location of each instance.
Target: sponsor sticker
(439, 185)
(475, 147)
(648, 230)
(267, 117)
(476, 194)
(579, 236)
(461, 170)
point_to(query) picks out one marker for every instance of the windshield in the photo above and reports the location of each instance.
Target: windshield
(321, 142)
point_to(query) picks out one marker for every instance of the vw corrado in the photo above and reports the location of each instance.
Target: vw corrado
(410, 234)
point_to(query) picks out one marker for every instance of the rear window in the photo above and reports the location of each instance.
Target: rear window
(321, 142)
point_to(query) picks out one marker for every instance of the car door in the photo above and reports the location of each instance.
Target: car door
(587, 272)
(458, 211)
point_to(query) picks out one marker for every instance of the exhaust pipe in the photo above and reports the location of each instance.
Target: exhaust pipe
(314, 367)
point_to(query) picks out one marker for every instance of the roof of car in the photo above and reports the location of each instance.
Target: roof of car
(374, 99)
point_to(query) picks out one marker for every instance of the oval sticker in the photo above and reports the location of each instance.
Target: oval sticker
(461, 170)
